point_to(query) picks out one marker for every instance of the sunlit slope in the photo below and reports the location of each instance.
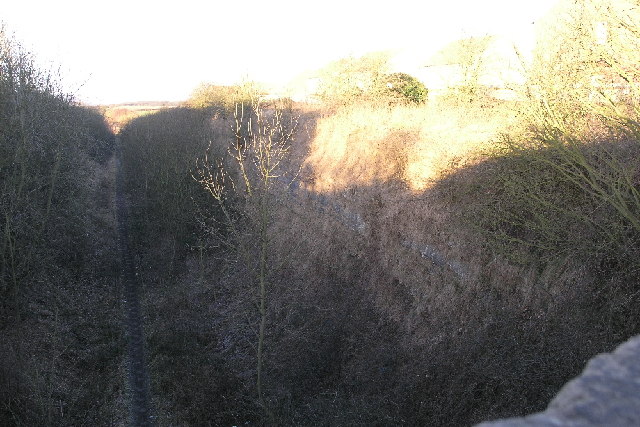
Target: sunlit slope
(361, 145)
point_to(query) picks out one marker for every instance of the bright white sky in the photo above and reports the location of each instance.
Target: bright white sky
(133, 50)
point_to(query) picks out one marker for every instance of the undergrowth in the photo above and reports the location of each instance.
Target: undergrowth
(60, 344)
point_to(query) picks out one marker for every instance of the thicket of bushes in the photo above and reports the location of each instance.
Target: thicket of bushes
(159, 152)
(569, 182)
(59, 340)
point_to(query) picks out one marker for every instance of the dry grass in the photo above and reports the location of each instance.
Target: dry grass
(360, 145)
(380, 163)
(118, 115)
(420, 176)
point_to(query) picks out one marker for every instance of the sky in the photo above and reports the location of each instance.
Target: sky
(138, 50)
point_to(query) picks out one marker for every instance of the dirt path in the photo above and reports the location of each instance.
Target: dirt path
(138, 379)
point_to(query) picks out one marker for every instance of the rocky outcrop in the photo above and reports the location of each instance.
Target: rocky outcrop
(607, 393)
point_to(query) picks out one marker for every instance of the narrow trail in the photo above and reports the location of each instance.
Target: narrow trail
(137, 376)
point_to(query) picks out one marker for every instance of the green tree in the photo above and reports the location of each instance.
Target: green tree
(406, 88)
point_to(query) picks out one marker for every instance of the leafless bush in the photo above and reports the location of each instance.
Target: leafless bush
(58, 310)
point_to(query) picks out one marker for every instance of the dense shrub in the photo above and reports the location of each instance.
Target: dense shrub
(47, 149)
(407, 88)
(159, 153)
(222, 98)
(366, 80)
(58, 323)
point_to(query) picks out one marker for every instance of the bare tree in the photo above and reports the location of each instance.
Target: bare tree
(584, 62)
(468, 60)
(243, 186)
